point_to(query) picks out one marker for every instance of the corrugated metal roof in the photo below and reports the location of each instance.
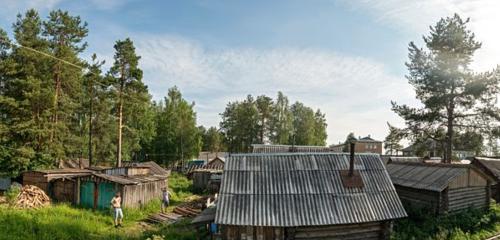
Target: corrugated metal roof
(154, 167)
(434, 177)
(405, 159)
(266, 148)
(304, 189)
(125, 180)
(492, 165)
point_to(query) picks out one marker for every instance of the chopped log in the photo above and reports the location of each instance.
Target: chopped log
(31, 197)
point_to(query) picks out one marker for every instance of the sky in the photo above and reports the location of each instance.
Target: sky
(345, 57)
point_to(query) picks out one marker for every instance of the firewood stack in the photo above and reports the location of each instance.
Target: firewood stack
(31, 197)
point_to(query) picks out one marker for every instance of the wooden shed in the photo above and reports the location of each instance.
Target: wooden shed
(216, 163)
(306, 196)
(136, 187)
(440, 188)
(201, 178)
(490, 166)
(59, 184)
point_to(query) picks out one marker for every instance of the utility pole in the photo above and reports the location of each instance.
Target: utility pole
(91, 103)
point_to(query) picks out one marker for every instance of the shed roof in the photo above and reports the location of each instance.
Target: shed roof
(492, 165)
(405, 159)
(266, 148)
(153, 167)
(304, 189)
(427, 176)
(128, 180)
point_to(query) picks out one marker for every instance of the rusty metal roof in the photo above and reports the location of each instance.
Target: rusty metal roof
(492, 165)
(266, 148)
(154, 167)
(126, 180)
(304, 189)
(427, 176)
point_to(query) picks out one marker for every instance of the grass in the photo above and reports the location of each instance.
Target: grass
(471, 224)
(63, 221)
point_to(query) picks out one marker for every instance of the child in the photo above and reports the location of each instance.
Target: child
(116, 204)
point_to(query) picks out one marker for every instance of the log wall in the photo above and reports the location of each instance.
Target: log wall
(468, 197)
(368, 231)
(419, 198)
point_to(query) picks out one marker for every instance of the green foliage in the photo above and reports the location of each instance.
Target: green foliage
(11, 193)
(212, 139)
(259, 121)
(177, 137)
(470, 224)
(454, 98)
(392, 141)
(180, 187)
(182, 230)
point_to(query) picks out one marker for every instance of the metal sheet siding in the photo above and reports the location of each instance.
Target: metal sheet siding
(304, 189)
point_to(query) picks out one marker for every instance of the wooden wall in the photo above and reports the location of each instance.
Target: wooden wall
(372, 230)
(37, 179)
(200, 180)
(419, 198)
(137, 195)
(63, 190)
(463, 198)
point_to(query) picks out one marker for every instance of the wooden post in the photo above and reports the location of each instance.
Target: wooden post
(77, 191)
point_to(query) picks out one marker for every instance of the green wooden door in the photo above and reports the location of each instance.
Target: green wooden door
(106, 193)
(87, 194)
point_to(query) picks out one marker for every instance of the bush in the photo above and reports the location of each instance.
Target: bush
(469, 224)
(12, 193)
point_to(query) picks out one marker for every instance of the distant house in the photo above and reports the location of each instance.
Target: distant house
(490, 166)
(440, 188)
(432, 149)
(206, 179)
(363, 145)
(397, 159)
(275, 148)
(209, 156)
(216, 163)
(306, 196)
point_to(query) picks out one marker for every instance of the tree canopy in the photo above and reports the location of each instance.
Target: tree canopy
(454, 98)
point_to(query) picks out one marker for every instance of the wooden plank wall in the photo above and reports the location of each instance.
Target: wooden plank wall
(63, 190)
(137, 195)
(373, 230)
(463, 198)
(37, 179)
(252, 232)
(200, 180)
(419, 198)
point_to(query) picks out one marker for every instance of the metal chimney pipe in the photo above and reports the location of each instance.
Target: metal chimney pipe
(351, 162)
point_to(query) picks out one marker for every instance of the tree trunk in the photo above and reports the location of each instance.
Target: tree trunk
(120, 121)
(449, 135)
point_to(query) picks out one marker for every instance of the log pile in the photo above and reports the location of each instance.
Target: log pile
(31, 197)
(187, 211)
(163, 218)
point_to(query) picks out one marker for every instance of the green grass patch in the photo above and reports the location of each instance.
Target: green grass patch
(469, 224)
(63, 221)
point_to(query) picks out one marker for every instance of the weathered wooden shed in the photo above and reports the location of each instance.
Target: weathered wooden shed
(136, 185)
(59, 184)
(216, 163)
(306, 196)
(440, 188)
(201, 178)
(490, 166)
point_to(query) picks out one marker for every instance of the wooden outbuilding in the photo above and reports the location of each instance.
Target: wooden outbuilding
(306, 196)
(201, 179)
(490, 166)
(216, 163)
(136, 185)
(59, 184)
(440, 188)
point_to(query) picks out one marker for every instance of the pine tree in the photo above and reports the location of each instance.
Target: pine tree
(453, 96)
(65, 34)
(132, 101)
(392, 142)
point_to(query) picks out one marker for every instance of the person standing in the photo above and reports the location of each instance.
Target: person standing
(165, 199)
(116, 204)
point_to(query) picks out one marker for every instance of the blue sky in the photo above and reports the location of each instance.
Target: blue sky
(344, 57)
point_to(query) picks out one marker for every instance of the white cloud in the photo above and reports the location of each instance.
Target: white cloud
(10, 8)
(416, 16)
(354, 92)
